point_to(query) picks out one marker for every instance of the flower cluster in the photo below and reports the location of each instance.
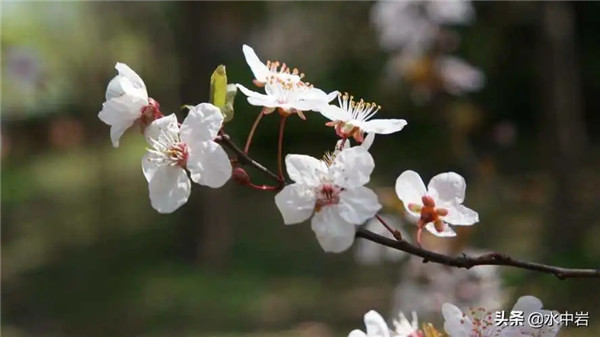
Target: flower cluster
(330, 191)
(474, 322)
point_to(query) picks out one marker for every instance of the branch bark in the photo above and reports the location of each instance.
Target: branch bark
(462, 261)
(467, 262)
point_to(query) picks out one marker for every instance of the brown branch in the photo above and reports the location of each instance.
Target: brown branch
(467, 262)
(245, 159)
(462, 261)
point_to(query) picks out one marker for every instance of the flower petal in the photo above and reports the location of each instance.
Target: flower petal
(461, 215)
(410, 189)
(358, 205)
(148, 167)
(260, 70)
(127, 82)
(447, 232)
(334, 234)
(163, 124)
(295, 203)
(455, 323)
(357, 333)
(126, 71)
(305, 169)
(117, 130)
(202, 123)
(368, 141)
(375, 324)
(121, 109)
(251, 93)
(383, 126)
(447, 188)
(352, 167)
(528, 304)
(208, 164)
(169, 188)
(333, 112)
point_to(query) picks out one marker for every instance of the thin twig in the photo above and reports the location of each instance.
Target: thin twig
(467, 262)
(245, 159)
(280, 147)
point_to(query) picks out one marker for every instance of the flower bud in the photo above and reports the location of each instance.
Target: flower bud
(240, 176)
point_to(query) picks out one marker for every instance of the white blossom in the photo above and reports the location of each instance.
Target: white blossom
(531, 304)
(176, 148)
(332, 192)
(458, 76)
(353, 119)
(377, 327)
(127, 101)
(288, 95)
(439, 204)
(263, 72)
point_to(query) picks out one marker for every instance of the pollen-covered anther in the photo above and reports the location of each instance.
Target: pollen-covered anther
(414, 208)
(327, 194)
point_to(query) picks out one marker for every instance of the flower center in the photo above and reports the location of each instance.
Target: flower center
(274, 68)
(429, 213)
(286, 91)
(327, 194)
(149, 113)
(168, 149)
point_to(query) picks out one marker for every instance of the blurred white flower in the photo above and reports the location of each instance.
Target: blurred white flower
(370, 253)
(414, 25)
(458, 76)
(288, 95)
(176, 148)
(262, 72)
(127, 101)
(439, 204)
(405, 328)
(375, 326)
(352, 119)
(481, 322)
(332, 190)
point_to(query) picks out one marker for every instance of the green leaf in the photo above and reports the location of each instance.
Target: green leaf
(227, 110)
(222, 94)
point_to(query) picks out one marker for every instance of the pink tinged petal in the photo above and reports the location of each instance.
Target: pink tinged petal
(375, 325)
(358, 205)
(357, 333)
(169, 188)
(461, 215)
(446, 233)
(208, 164)
(305, 169)
(295, 203)
(165, 124)
(352, 167)
(148, 167)
(201, 124)
(455, 323)
(447, 189)
(410, 189)
(383, 126)
(259, 69)
(334, 234)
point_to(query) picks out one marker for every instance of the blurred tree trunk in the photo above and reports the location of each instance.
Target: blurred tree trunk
(206, 233)
(563, 132)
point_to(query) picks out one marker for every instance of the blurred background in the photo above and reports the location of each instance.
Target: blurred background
(505, 93)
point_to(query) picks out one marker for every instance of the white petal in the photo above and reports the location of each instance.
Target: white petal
(148, 167)
(208, 164)
(368, 141)
(461, 215)
(410, 189)
(333, 112)
(121, 109)
(127, 82)
(251, 93)
(375, 324)
(305, 169)
(455, 323)
(259, 69)
(117, 130)
(202, 123)
(528, 304)
(447, 188)
(169, 188)
(450, 12)
(295, 203)
(358, 205)
(166, 124)
(334, 234)
(357, 333)
(458, 76)
(352, 167)
(315, 94)
(447, 232)
(383, 126)
(135, 79)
